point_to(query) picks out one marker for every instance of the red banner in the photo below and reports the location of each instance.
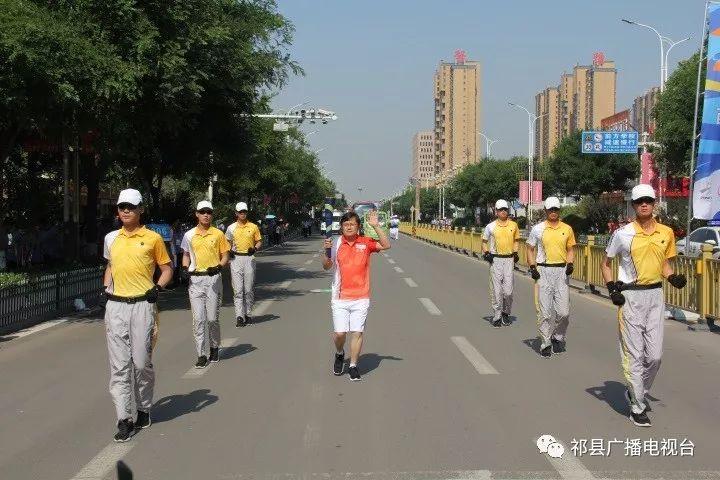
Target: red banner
(537, 193)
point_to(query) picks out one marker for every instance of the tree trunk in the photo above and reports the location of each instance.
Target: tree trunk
(92, 183)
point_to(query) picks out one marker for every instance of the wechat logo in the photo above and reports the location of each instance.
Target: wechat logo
(548, 444)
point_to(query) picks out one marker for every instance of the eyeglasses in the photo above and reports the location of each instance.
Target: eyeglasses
(127, 206)
(205, 211)
(647, 200)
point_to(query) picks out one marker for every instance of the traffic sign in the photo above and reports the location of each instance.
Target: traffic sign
(609, 142)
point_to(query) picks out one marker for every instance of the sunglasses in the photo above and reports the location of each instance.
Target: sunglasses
(643, 200)
(502, 210)
(243, 211)
(127, 206)
(553, 209)
(205, 211)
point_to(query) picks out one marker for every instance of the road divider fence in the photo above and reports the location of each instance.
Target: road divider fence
(701, 295)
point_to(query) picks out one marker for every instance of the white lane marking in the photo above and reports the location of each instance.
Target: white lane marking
(482, 366)
(568, 466)
(35, 329)
(311, 436)
(308, 262)
(391, 261)
(316, 255)
(399, 270)
(199, 372)
(423, 475)
(430, 306)
(260, 309)
(301, 269)
(286, 284)
(410, 282)
(104, 462)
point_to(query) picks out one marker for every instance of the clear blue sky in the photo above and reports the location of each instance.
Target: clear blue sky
(372, 62)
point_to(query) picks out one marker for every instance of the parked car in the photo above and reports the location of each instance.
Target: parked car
(692, 244)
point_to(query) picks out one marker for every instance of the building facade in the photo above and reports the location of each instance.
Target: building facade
(423, 157)
(579, 102)
(643, 119)
(458, 107)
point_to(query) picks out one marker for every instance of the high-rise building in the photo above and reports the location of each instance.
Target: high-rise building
(643, 119)
(580, 102)
(458, 102)
(423, 157)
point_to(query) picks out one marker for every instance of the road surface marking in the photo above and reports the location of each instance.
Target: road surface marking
(104, 462)
(482, 366)
(316, 255)
(260, 309)
(308, 262)
(399, 270)
(321, 290)
(286, 284)
(568, 466)
(391, 261)
(199, 372)
(424, 475)
(301, 269)
(410, 282)
(35, 329)
(430, 306)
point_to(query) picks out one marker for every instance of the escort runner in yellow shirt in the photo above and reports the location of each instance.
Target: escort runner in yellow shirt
(551, 256)
(129, 297)
(644, 249)
(205, 253)
(245, 240)
(500, 250)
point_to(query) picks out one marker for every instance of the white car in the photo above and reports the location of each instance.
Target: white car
(692, 244)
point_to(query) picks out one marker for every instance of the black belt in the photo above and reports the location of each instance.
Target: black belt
(551, 264)
(116, 298)
(245, 254)
(202, 274)
(635, 286)
(497, 255)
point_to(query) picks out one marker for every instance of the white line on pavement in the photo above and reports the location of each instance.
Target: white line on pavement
(482, 366)
(301, 269)
(391, 261)
(568, 466)
(199, 372)
(430, 306)
(308, 262)
(100, 466)
(286, 284)
(399, 270)
(260, 309)
(316, 255)
(410, 282)
(35, 329)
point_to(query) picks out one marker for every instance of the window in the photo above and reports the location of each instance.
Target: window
(702, 235)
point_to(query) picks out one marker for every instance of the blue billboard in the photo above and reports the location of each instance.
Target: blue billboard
(609, 142)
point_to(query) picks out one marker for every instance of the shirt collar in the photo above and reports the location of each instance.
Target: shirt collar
(346, 242)
(140, 232)
(549, 225)
(639, 229)
(205, 233)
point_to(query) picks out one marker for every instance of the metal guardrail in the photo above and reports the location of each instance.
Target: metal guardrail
(701, 295)
(47, 296)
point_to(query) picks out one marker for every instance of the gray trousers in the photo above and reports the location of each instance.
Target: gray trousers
(131, 331)
(205, 300)
(641, 324)
(552, 301)
(242, 270)
(501, 286)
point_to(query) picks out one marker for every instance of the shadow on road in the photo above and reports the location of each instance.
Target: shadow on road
(174, 406)
(371, 361)
(612, 393)
(264, 318)
(236, 351)
(533, 344)
(489, 319)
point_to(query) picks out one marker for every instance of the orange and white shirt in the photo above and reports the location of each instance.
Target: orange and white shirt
(351, 267)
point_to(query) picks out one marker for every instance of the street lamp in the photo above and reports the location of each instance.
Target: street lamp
(667, 53)
(532, 118)
(488, 143)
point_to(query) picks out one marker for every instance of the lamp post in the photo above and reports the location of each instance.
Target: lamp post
(532, 118)
(488, 143)
(671, 44)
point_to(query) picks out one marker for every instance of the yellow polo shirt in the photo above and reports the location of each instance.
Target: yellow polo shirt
(501, 237)
(243, 237)
(642, 255)
(205, 248)
(552, 242)
(133, 257)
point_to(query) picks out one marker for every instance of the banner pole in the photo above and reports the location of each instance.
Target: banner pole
(695, 120)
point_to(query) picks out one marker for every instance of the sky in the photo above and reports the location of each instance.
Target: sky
(372, 62)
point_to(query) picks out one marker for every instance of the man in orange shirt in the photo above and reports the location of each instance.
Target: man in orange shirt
(350, 261)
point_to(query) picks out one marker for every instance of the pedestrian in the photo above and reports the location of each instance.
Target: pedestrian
(644, 248)
(350, 301)
(551, 256)
(131, 315)
(245, 239)
(205, 253)
(394, 227)
(500, 249)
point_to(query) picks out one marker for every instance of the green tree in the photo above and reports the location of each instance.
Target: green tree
(570, 172)
(674, 115)
(481, 184)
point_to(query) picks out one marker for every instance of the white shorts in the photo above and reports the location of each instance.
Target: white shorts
(350, 315)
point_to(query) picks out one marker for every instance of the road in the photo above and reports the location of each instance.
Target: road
(443, 394)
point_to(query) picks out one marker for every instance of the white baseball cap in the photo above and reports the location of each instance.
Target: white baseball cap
(203, 204)
(501, 204)
(552, 202)
(642, 190)
(241, 206)
(130, 196)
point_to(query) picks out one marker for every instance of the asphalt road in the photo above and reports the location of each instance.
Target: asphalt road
(443, 395)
